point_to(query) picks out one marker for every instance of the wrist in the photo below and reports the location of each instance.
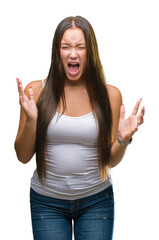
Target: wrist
(31, 122)
(123, 142)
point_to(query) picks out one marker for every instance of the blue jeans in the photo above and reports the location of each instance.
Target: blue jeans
(93, 217)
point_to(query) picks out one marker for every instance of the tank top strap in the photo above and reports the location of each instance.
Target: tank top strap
(43, 82)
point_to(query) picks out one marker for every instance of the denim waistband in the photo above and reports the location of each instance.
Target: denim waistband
(108, 191)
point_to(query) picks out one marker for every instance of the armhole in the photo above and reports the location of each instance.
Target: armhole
(43, 82)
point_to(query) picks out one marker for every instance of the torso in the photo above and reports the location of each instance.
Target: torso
(67, 131)
(77, 101)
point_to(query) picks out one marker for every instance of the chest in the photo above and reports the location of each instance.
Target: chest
(73, 130)
(77, 103)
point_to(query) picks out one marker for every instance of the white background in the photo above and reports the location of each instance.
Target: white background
(127, 35)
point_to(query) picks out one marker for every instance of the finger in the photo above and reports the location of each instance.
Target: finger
(20, 99)
(136, 108)
(20, 88)
(140, 119)
(143, 111)
(122, 111)
(31, 93)
(18, 82)
(134, 130)
(17, 79)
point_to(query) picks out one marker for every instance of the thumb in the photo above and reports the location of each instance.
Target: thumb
(122, 111)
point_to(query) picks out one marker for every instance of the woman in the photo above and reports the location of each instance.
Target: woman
(75, 123)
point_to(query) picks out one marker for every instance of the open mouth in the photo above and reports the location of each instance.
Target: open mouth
(73, 67)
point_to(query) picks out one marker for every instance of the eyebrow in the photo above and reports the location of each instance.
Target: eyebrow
(68, 44)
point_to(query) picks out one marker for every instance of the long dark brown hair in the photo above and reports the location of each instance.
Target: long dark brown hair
(54, 90)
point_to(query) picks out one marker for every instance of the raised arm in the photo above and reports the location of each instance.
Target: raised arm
(26, 135)
(125, 127)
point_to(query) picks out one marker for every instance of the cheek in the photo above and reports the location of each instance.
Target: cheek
(84, 59)
(85, 56)
(63, 57)
(64, 63)
(85, 62)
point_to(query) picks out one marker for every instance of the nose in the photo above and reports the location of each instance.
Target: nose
(73, 53)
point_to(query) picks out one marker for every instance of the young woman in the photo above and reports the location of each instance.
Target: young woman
(75, 124)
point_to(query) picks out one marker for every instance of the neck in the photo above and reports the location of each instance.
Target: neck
(75, 83)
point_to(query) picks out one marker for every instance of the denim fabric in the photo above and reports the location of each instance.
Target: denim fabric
(93, 217)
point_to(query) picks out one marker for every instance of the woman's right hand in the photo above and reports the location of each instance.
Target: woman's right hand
(27, 102)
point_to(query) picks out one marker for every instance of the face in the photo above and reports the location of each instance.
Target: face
(73, 53)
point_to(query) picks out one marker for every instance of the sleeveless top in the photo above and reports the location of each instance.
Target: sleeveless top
(71, 159)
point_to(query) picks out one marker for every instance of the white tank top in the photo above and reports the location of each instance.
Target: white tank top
(71, 159)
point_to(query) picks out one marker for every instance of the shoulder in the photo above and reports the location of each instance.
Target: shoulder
(37, 88)
(114, 94)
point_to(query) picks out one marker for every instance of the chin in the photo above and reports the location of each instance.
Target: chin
(74, 78)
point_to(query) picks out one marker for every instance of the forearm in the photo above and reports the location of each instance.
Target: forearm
(117, 153)
(25, 143)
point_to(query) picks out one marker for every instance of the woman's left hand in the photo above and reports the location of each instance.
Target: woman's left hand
(127, 127)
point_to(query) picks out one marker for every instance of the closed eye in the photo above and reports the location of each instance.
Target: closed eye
(65, 47)
(81, 47)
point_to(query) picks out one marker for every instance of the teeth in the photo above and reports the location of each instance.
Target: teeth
(73, 63)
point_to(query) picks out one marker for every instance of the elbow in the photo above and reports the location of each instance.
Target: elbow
(23, 159)
(113, 162)
(112, 165)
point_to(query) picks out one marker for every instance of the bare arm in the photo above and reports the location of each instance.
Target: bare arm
(26, 136)
(117, 153)
(125, 127)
